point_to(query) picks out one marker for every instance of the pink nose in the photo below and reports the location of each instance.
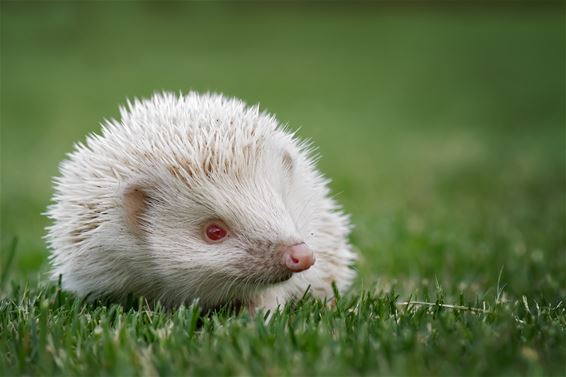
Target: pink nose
(298, 257)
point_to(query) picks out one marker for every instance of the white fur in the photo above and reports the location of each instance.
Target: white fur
(198, 157)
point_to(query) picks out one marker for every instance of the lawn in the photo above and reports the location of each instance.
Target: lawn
(442, 128)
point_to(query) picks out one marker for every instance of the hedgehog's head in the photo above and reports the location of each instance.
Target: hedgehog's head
(227, 217)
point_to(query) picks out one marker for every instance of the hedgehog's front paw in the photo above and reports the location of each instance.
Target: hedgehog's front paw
(269, 300)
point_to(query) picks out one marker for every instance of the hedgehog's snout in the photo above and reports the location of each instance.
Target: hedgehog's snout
(297, 258)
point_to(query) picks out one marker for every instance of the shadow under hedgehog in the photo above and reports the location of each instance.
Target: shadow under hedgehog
(197, 197)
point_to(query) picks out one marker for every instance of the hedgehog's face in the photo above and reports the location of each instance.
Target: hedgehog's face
(237, 254)
(225, 233)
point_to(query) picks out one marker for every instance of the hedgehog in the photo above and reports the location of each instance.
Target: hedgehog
(197, 197)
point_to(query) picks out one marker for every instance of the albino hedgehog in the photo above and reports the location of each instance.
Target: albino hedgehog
(196, 197)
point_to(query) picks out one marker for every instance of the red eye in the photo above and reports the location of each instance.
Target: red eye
(214, 232)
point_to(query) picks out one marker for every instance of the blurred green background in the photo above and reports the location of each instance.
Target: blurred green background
(442, 126)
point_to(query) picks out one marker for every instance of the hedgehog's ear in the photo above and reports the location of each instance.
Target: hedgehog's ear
(135, 201)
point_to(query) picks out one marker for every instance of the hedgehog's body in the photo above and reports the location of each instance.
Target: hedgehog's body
(196, 197)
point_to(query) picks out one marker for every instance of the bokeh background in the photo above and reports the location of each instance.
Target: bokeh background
(442, 125)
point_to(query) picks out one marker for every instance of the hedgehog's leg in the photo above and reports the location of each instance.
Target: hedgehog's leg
(270, 299)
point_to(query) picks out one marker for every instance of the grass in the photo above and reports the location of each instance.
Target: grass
(442, 128)
(368, 334)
